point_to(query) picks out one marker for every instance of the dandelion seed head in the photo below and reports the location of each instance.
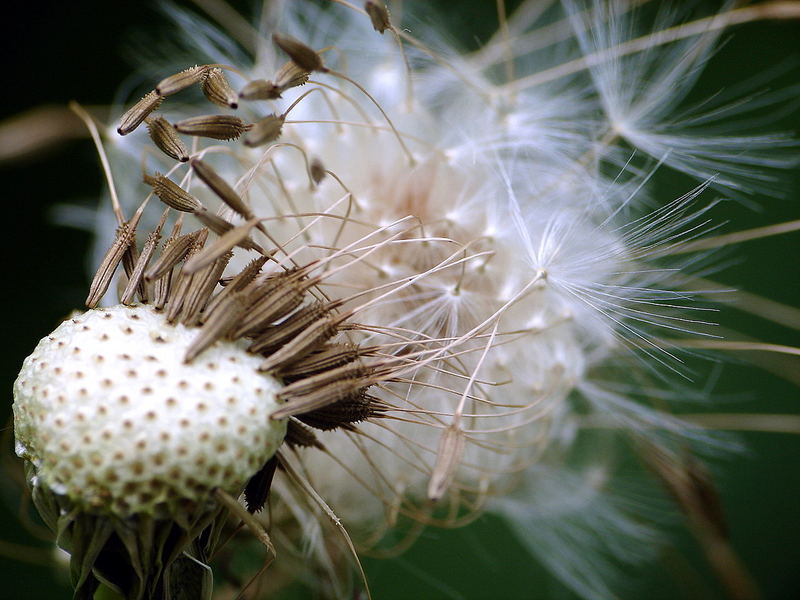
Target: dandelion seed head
(110, 416)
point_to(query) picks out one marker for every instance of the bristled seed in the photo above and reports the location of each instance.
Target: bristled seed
(290, 75)
(171, 194)
(174, 251)
(217, 89)
(166, 139)
(180, 81)
(217, 127)
(221, 188)
(264, 131)
(136, 114)
(378, 15)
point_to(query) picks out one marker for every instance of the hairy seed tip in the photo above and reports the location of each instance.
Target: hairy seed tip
(180, 81)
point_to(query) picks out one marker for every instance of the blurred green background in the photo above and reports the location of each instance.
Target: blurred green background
(61, 51)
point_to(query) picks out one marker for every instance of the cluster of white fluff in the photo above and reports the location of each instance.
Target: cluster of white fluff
(530, 161)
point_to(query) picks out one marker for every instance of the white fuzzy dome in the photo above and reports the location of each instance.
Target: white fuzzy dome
(109, 415)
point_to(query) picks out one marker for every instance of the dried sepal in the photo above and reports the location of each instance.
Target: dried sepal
(166, 139)
(173, 195)
(303, 56)
(264, 131)
(136, 114)
(217, 89)
(378, 15)
(180, 81)
(260, 89)
(217, 127)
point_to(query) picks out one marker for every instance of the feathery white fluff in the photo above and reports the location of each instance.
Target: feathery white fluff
(536, 185)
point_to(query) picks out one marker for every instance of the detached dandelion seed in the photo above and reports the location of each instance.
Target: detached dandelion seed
(399, 287)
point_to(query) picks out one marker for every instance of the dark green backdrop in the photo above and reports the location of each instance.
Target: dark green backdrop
(61, 51)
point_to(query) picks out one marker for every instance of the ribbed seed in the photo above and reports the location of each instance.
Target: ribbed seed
(174, 252)
(341, 414)
(257, 489)
(180, 81)
(173, 195)
(220, 226)
(217, 127)
(217, 89)
(136, 114)
(203, 284)
(317, 170)
(355, 370)
(125, 237)
(328, 356)
(312, 337)
(239, 282)
(184, 281)
(218, 325)
(338, 391)
(222, 245)
(272, 307)
(221, 188)
(278, 335)
(301, 436)
(290, 75)
(166, 139)
(163, 284)
(136, 280)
